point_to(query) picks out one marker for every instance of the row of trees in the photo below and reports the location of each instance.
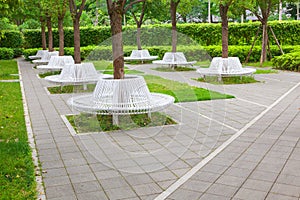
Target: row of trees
(141, 10)
(24, 13)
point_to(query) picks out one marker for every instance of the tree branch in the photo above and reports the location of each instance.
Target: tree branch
(132, 3)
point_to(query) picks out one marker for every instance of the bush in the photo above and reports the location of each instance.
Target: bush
(6, 54)
(18, 52)
(11, 39)
(289, 61)
(197, 53)
(157, 35)
(29, 52)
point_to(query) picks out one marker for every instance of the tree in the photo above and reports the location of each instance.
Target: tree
(224, 7)
(139, 22)
(262, 9)
(76, 12)
(61, 7)
(116, 9)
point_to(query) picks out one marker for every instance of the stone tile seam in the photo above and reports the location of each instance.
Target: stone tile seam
(38, 172)
(195, 169)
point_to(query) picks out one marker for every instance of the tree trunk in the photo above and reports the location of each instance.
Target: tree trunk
(61, 36)
(263, 56)
(138, 37)
(117, 43)
(77, 56)
(223, 13)
(173, 8)
(43, 33)
(50, 35)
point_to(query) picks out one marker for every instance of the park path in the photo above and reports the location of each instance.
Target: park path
(241, 148)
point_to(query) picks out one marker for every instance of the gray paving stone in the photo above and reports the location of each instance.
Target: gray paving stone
(84, 187)
(247, 194)
(272, 196)
(147, 189)
(97, 195)
(230, 180)
(80, 178)
(196, 185)
(59, 191)
(288, 190)
(162, 176)
(222, 190)
(56, 181)
(207, 196)
(258, 185)
(112, 183)
(185, 194)
(120, 193)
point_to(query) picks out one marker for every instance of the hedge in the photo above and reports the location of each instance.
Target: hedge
(156, 35)
(197, 53)
(11, 39)
(289, 61)
(6, 53)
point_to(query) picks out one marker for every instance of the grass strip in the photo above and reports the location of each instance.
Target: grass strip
(227, 80)
(43, 75)
(182, 92)
(17, 180)
(7, 69)
(266, 71)
(177, 69)
(85, 123)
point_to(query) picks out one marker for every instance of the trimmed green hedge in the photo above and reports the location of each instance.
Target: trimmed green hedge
(156, 35)
(6, 53)
(11, 39)
(289, 61)
(197, 53)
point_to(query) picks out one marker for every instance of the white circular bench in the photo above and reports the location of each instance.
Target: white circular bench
(57, 63)
(174, 58)
(121, 97)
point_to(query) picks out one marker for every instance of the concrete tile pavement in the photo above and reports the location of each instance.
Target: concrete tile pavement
(143, 163)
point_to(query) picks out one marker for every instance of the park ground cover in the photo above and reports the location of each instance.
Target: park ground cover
(17, 179)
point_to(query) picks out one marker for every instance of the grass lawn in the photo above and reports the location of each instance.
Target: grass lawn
(71, 89)
(182, 92)
(7, 69)
(85, 123)
(266, 71)
(257, 64)
(43, 75)
(17, 180)
(177, 69)
(228, 80)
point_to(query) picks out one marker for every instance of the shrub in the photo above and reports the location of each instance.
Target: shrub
(289, 61)
(160, 35)
(18, 52)
(29, 52)
(11, 39)
(6, 53)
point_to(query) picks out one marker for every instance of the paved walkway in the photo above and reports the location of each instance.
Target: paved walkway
(242, 148)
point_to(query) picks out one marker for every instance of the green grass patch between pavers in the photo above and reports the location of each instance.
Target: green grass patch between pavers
(86, 123)
(182, 92)
(257, 64)
(266, 71)
(43, 75)
(17, 180)
(71, 89)
(8, 70)
(227, 80)
(177, 69)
